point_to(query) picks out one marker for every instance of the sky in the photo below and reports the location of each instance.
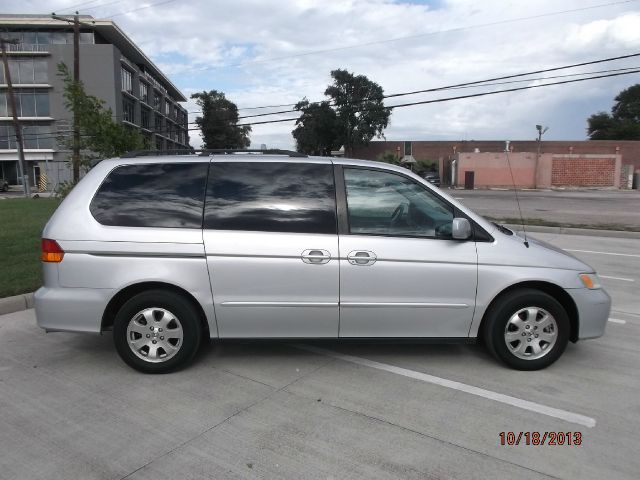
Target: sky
(274, 52)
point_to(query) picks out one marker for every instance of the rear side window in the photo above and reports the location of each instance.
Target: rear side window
(152, 195)
(271, 197)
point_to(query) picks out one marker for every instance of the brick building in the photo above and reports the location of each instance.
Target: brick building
(597, 163)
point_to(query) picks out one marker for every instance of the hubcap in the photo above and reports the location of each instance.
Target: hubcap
(531, 333)
(154, 335)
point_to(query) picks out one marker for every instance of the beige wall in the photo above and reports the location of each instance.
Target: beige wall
(492, 169)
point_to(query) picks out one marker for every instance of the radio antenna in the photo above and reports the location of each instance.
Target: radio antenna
(515, 191)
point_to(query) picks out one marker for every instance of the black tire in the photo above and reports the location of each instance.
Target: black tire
(497, 334)
(156, 303)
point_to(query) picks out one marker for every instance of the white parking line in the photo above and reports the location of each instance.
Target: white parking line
(615, 320)
(604, 253)
(443, 382)
(622, 279)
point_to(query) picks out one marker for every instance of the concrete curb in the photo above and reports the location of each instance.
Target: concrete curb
(16, 303)
(591, 232)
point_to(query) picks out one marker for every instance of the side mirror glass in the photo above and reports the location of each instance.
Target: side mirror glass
(461, 229)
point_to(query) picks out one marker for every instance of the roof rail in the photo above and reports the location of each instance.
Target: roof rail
(204, 153)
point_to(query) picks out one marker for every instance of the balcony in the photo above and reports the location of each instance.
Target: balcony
(27, 48)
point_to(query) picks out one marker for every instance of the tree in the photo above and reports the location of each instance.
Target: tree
(624, 121)
(359, 105)
(219, 122)
(100, 136)
(316, 131)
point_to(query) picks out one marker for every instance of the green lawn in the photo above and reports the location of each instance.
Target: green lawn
(21, 224)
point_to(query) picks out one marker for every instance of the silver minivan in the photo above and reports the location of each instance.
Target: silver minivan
(168, 250)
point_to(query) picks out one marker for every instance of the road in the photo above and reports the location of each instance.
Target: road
(587, 207)
(69, 408)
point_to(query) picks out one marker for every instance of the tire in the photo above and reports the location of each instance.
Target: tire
(139, 326)
(527, 329)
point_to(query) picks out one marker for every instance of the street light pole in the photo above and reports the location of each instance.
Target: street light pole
(75, 161)
(541, 131)
(14, 113)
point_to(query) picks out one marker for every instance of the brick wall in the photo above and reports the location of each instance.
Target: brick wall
(583, 171)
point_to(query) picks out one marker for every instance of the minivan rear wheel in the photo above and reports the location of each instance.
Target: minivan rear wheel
(527, 329)
(157, 331)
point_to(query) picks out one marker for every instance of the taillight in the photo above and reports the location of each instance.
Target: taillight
(51, 251)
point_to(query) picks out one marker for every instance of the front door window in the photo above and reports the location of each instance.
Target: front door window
(384, 203)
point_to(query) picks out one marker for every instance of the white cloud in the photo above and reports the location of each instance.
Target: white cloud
(455, 41)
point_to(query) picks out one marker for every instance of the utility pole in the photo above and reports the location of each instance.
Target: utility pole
(541, 131)
(16, 124)
(75, 161)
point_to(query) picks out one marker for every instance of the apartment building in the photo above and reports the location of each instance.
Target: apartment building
(112, 67)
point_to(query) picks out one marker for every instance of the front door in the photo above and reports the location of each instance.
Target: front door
(271, 242)
(401, 273)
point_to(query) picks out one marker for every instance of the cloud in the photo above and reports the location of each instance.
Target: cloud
(261, 53)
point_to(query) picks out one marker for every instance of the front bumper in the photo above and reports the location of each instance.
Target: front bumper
(594, 307)
(71, 309)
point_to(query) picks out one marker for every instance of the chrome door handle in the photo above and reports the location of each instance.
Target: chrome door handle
(362, 258)
(315, 256)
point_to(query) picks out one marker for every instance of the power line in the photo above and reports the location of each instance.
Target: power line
(474, 83)
(157, 4)
(420, 35)
(424, 102)
(461, 97)
(438, 100)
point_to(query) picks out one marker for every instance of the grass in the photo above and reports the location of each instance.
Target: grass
(546, 223)
(22, 221)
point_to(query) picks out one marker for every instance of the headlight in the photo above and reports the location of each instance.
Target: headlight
(590, 280)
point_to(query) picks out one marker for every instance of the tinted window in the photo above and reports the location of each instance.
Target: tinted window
(383, 203)
(271, 197)
(152, 195)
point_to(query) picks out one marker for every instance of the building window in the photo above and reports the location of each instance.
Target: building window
(167, 108)
(144, 92)
(127, 80)
(34, 136)
(407, 148)
(26, 71)
(128, 110)
(157, 98)
(158, 124)
(158, 143)
(28, 104)
(145, 115)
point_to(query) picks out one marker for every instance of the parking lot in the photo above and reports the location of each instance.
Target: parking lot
(69, 408)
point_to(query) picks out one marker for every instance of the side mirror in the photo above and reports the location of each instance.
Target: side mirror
(461, 229)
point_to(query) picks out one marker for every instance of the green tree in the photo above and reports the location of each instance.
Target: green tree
(624, 121)
(100, 136)
(359, 105)
(316, 131)
(219, 122)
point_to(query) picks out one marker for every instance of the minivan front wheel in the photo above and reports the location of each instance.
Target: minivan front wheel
(157, 331)
(527, 329)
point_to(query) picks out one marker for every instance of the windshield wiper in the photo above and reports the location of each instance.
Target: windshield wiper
(503, 229)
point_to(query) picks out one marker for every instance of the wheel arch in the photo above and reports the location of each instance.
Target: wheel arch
(551, 289)
(120, 298)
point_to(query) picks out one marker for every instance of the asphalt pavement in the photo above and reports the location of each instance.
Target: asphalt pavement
(610, 208)
(69, 408)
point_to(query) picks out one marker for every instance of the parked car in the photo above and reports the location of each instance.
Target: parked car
(433, 178)
(167, 250)
(4, 185)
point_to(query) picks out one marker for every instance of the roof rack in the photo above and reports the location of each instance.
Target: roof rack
(204, 153)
